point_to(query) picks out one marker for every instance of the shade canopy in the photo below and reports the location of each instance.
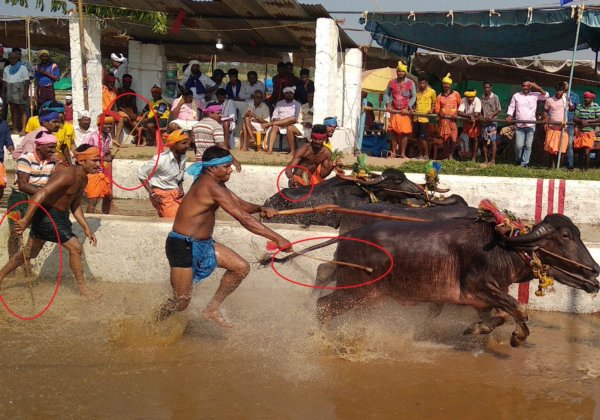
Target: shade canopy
(488, 33)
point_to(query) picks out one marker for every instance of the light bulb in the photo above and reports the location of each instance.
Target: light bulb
(219, 44)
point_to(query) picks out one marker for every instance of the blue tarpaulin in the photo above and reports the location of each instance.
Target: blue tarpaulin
(488, 33)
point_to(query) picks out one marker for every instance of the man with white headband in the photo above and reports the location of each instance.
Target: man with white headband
(284, 117)
(84, 122)
(192, 253)
(48, 214)
(119, 65)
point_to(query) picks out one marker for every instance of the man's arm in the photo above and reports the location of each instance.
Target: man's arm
(298, 155)
(79, 216)
(327, 165)
(226, 200)
(283, 122)
(413, 95)
(511, 109)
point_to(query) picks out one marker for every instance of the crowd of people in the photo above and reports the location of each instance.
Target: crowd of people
(411, 109)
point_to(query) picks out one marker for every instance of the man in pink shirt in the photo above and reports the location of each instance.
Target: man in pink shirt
(554, 111)
(523, 106)
(186, 111)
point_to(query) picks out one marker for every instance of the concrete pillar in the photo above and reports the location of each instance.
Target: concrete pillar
(326, 69)
(352, 94)
(93, 67)
(147, 66)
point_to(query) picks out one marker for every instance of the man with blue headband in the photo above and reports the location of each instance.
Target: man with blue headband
(192, 253)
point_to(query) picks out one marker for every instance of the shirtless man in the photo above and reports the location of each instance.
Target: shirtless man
(190, 249)
(314, 157)
(60, 195)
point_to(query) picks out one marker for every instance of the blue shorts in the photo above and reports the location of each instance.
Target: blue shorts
(187, 252)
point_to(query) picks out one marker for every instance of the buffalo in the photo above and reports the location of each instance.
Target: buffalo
(462, 261)
(391, 186)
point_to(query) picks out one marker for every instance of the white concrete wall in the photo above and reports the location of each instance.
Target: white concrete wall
(131, 250)
(93, 67)
(147, 65)
(326, 69)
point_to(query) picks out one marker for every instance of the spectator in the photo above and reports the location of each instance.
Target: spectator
(470, 107)
(15, 88)
(185, 111)
(554, 111)
(99, 185)
(284, 117)
(3, 63)
(586, 114)
(523, 106)
(159, 107)
(330, 124)
(305, 89)
(257, 114)
(490, 108)
(84, 123)
(5, 142)
(446, 106)
(425, 104)
(119, 68)
(399, 97)
(109, 103)
(234, 86)
(69, 108)
(65, 135)
(196, 81)
(573, 103)
(251, 86)
(46, 74)
(228, 116)
(217, 78)
(283, 79)
(126, 106)
(50, 121)
(209, 130)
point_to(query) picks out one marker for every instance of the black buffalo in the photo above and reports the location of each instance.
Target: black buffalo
(391, 186)
(460, 261)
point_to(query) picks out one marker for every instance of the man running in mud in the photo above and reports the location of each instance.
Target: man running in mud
(190, 248)
(314, 157)
(61, 195)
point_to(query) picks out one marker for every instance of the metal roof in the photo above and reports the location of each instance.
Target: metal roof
(251, 30)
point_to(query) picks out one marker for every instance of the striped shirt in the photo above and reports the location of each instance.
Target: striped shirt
(587, 113)
(39, 171)
(207, 133)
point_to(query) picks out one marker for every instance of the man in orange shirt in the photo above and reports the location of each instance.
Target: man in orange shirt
(446, 106)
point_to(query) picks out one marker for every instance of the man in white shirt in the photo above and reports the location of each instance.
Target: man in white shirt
(200, 84)
(284, 117)
(251, 86)
(257, 114)
(15, 88)
(84, 122)
(470, 107)
(165, 185)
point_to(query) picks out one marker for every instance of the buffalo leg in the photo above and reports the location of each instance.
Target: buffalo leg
(486, 326)
(338, 302)
(502, 300)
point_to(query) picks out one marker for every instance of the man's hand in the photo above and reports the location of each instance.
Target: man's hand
(584, 123)
(266, 125)
(108, 157)
(473, 119)
(180, 193)
(25, 95)
(21, 225)
(268, 212)
(509, 119)
(284, 245)
(90, 235)
(388, 108)
(155, 198)
(237, 165)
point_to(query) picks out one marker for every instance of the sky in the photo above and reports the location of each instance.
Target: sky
(351, 20)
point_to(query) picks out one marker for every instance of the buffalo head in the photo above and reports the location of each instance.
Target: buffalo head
(392, 186)
(559, 243)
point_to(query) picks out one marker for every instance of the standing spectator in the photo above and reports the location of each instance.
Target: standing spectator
(470, 107)
(119, 68)
(159, 107)
(446, 106)
(99, 185)
(3, 63)
(196, 81)
(50, 121)
(251, 86)
(399, 97)
(257, 113)
(285, 116)
(5, 142)
(185, 111)
(233, 86)
(573, 103)
(425, 104)
(217, 78)
(585, 114)
(46, 74)
(126, 106)
(283, 79)
(554, 111)
(84, 123)
(65, 138)
(305, 89)
(490, 108)
(15, 88)
(523, 106)
(165, 187)
(69, 108)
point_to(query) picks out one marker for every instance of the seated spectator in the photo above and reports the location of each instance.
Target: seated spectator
(185, 112)
(84, 122)
(305, 89)
(470, 107)
(257, 114)
(234, 86)
(126, 106)
(284, 117)
(251, 86)
(69, 108)
(217, 78)
(161, 109)
(229, 114)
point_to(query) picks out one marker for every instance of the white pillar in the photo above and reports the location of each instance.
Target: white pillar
(326, 69)
(147, 65)
(93, 67)
(352, 94)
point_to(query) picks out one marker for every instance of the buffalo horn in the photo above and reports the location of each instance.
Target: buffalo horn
(376, 181)
(539, 232)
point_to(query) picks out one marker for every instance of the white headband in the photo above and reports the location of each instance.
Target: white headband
(118, 58)
(289, 89)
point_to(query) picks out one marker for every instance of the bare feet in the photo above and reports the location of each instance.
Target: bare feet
(215, 315)
(89, 294)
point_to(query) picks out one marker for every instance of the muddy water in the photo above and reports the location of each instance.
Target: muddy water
(105, 360)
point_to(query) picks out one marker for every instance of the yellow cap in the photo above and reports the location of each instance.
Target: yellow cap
(401, 66)
(447, 79)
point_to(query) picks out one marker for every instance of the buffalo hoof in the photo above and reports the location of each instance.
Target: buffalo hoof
(516, 341)
(478, 328)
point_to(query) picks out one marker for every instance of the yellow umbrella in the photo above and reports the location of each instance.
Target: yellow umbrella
(377, 80)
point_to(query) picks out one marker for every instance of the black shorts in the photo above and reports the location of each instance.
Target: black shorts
(179, 252)
(42, 228)
(421, 129)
